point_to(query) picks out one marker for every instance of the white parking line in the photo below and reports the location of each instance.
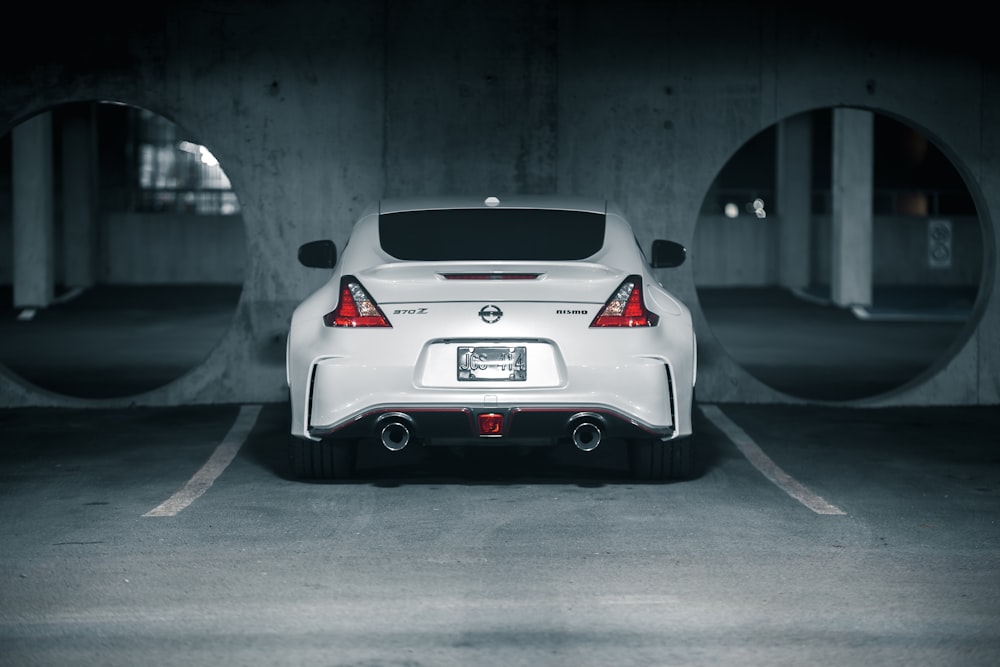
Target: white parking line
(217, 462)
(765, 465)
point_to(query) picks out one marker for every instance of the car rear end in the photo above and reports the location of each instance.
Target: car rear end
(552, 332)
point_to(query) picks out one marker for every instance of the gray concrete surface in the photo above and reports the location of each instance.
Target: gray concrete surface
(500, 559)
(317, 109)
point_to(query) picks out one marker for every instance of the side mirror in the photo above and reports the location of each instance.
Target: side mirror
(318, 254)
(667, 254)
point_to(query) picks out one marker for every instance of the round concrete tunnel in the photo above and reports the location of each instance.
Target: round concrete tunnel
(124, 251)
(840, 256)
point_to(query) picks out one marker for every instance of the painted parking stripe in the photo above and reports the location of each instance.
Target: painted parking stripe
(765, 465)
(216, 464)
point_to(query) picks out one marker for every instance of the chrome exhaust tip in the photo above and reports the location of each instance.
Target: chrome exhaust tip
(395, 436)
(587, 436)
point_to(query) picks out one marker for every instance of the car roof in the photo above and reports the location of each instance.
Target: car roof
(552, 202)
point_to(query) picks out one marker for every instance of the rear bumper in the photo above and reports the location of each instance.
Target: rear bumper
(639, 399)
(451, 425)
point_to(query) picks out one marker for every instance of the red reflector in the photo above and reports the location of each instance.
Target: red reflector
(490, 424)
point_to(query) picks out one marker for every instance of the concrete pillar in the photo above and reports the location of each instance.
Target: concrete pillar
(79, 187)
(851, 249)
(34, 260)
(794, 194)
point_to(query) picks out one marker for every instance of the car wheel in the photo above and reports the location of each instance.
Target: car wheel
(327, 459)
(657, 460)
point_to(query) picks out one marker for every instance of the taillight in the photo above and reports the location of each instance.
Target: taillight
(626, 307)
(356, 307)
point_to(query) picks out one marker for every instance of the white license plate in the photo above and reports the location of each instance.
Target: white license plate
(492, 363)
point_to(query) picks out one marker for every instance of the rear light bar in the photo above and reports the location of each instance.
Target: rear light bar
(356, 308)
(626, 308)
(489, 276)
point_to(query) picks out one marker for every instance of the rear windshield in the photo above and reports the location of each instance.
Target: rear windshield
(491, 234)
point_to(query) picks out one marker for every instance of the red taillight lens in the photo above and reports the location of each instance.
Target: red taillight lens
(356, 308)
(626, 308)
(490, 423)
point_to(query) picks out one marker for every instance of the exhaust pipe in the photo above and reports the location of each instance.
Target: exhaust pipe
(587, 436)
(395, 435)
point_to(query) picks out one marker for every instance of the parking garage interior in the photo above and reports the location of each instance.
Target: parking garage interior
(830, 170)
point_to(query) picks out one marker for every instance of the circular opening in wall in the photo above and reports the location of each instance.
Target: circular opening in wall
(123, 250)
(840, 255)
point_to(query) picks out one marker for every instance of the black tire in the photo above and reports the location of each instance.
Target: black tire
(657, 460)
(324, 460)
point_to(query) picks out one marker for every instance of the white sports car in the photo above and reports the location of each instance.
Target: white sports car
(517, 321)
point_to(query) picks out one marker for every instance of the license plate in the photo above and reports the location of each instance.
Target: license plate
(492, 363)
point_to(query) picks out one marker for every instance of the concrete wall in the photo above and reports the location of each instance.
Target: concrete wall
(735, 252)
(315, 109)
(900, 247)
(158, 249)
(744, 252)
(163, 248)
(6, 259)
